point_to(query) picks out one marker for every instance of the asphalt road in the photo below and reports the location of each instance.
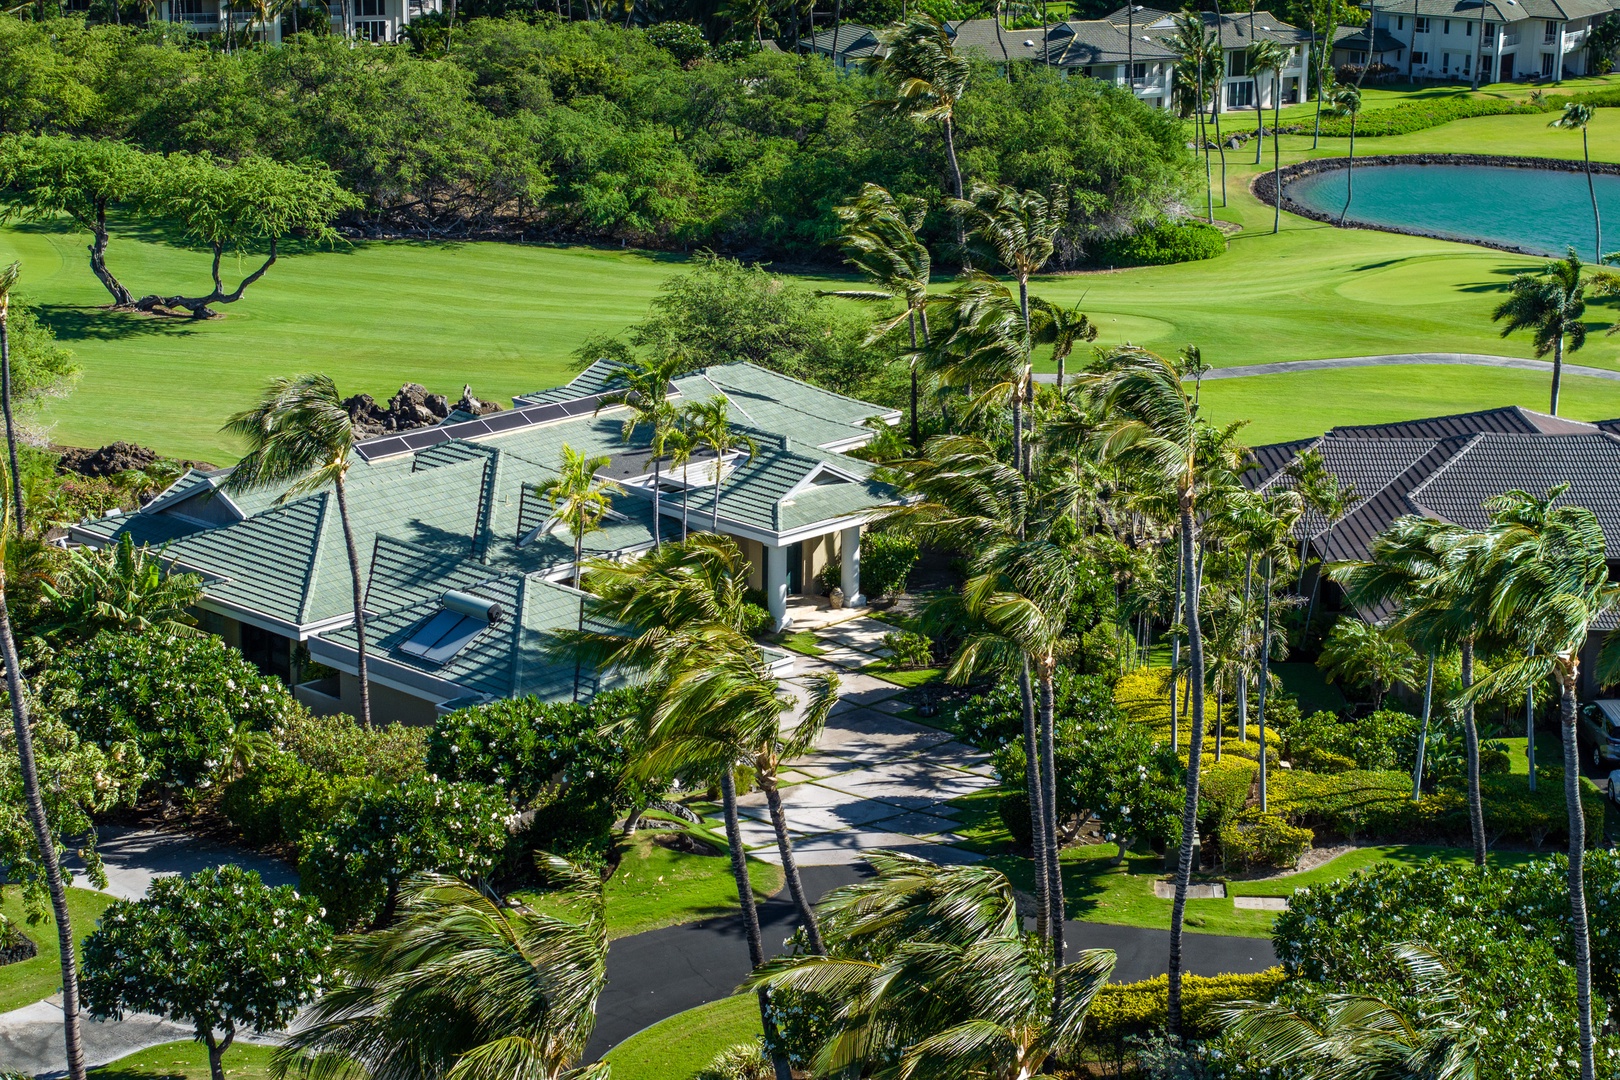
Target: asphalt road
(655, 975)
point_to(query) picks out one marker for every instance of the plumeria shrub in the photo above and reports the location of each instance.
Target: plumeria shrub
(383, 833)
(218, 950)
(993, 719)
(1506, 932)
(178, 696)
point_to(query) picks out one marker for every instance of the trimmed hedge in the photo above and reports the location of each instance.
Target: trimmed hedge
(1421, 115)
(1161, 244)
(1122, 1010)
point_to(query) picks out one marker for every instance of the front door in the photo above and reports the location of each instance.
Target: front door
(795, 569)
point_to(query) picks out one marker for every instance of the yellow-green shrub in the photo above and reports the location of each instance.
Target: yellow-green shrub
(1258, 837)
(1125, 1009)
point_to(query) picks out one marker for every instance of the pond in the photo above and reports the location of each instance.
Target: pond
(1534, 209)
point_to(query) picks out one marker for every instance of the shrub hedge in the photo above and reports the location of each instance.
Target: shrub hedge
(1121, 1010)
(1413, 116)
(1160, 244)
(886, 562)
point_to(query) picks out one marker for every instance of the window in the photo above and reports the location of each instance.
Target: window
(1468, 29)
(1468, 63)
(1240, 95)
(1546, 63)
(1420, 24)
(1237, 63)
(194, 11)
(373, 8)
(1420, 59)
(1445, 63)
(372, 30)
(1400, 22)
(1139, 71)
(1445, 27)
(1549, 33)
(1490, 30)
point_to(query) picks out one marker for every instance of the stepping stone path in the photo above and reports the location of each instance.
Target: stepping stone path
(1260, 903)
(874, 779)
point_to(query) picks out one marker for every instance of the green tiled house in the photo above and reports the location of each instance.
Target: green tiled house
(466, 569)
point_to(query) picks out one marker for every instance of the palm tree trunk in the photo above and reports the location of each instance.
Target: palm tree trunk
(686, 494)
(1195, 749)
(1018, 434)
(1349, 168)
(1577, 868)
(950, 151)
(1203, 143)
(23, 728)
(1036, 792)
(5, 404)
(579, 574)
(916, 431)
(1219, 686)
(1276, 155)
(1423, 733)
(1243, 670)
(790, 866)
(1054, 886)
(1175, 651)
(1476, 810)
(1530, 731)
(1265, 680)
(359, 603)
(1321, 91)
(1259, 118)
(1220, 147)
(1558, 370)
(750, 914)
(1597, 222)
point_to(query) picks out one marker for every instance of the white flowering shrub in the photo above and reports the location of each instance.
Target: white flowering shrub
(218, 950)
(383, 833)
(178, 697)
(1504, 930)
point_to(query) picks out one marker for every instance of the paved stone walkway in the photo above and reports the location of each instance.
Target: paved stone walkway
(875, 779)
(1395, 359)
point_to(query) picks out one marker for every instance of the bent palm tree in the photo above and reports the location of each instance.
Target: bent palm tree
(1551, 586)
(1062, 328)
(957, 992)
(1550, 305)
(644, 389)
(8, 281)
(1576, 115)
(1194, 45)
(301, 436)
(710, 425)
(1264, 58)
(464, 984)
(918, 59)
(579, 501)
(880, 239)
(1347, 102)
(1152, 423)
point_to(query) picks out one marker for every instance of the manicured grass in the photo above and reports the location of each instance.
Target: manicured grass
(188, 1061)
(27, 982)
(803, 642)
(679, 1047)
(1549, 751)
(506, 317)
(908, 677)
(654, 886)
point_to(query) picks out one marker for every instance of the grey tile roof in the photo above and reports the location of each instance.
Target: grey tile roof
(1355, 37)
(853, 41)
(1367, 465)
(1238, 30)
(1099, 41)
(1505, 11)
(1508, 420)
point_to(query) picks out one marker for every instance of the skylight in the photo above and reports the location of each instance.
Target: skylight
(449, 630)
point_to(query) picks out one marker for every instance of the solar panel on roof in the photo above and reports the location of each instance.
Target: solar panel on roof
(444, 635)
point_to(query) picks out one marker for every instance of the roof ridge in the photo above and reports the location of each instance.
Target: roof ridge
(1415, 495)
(317, 542)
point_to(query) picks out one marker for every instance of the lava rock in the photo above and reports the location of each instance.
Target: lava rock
(470, 404)
(108, 460)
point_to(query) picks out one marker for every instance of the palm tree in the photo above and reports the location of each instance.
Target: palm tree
(1433, 574)
(1551, 586)
(880, 239)
(1347, 102)
(1364, 654)
(579, 501)
(985, 351)
(751, 13)
(123, 587)
(1320, 488)
(918, 59)
(1576, 115)
(1022, 591)
(1192, 45)
(1433, 1033)
(1153, 424)
(710, 425)
(1550, 305)
(1268, 528)
(8, 281)
(22, 728)
(1062, 328)
(300, 435)
(955, 992)
(464, 984)
(644, 388)
(1264, 57)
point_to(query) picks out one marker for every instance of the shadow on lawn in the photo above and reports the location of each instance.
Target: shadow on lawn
(74, 323)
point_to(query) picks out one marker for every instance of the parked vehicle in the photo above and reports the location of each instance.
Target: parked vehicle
(1600, 732)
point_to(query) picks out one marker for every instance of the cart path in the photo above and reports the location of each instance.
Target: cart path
(1287, 367)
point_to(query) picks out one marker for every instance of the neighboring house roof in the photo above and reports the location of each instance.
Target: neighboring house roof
(1136, 15)
(1355, 39)
(469, 502)
(1447, 467)
(1506, 11)
(1099, 41)
(849, 40)
(1239, 30)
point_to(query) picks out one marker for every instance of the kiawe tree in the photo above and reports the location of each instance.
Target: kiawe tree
(46, 176)
(218, 950)
(240, 207)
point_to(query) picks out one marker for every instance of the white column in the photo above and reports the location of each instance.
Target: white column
(776, 585)
(849, 573)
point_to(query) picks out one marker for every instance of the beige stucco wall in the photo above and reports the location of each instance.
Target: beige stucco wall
(817, 554)
(388, 706)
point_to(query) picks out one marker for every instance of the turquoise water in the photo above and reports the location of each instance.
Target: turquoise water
(1533, 209)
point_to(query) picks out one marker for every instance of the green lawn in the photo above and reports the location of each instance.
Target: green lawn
(677, 1048)
(505, 317)
(654, 886)
(907, 677)
(27, 982)
(188, 1061)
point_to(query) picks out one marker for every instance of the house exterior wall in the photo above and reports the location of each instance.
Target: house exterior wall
(817, 554)
(1451, 49)
(373, 20)
(1151, 83)
(1238, 90)
(387, 704)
